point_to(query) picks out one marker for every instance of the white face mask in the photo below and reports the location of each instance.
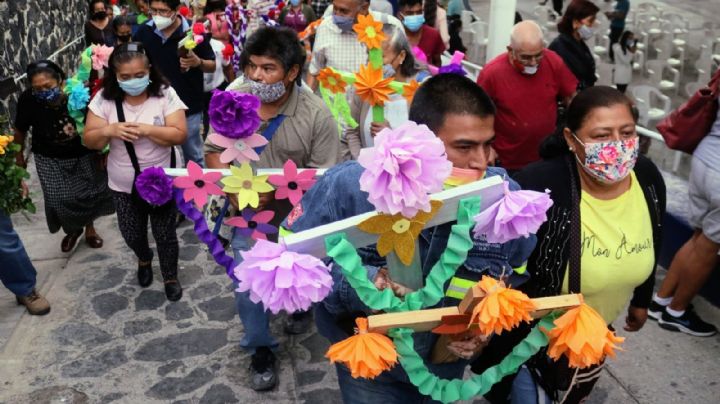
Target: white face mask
(163, 22)
(530, 70)
(585, 32)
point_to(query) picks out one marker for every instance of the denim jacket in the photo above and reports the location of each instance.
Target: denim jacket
(337, 196)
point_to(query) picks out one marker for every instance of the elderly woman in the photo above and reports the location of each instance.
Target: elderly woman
(602, 236)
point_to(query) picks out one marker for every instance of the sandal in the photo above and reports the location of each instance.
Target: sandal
(94, 241)
(69, 241)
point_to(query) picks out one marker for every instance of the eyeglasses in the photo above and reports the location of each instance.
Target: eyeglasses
(165, 12)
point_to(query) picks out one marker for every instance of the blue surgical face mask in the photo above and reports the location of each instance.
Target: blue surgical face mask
(344, 23)
(388, 71)
(585, 32)
(135, 86)
(295, 2)
(414, 22)
(47, 95)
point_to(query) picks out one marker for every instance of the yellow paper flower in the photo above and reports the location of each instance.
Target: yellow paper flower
(247, 186)
(371, 87)
(4, 142)
(190, 44)
(331, 80)
(369, 31)
(398, 233)
(410, 89)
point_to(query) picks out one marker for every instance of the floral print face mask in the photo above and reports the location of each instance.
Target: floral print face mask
(609, 162)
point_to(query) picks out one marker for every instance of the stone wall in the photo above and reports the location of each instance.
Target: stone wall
(34, 30)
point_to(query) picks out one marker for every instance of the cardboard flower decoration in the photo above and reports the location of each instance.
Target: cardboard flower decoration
(240, 150)
(331, 80)
(367, 354)
(371, 86)
(502, 308)
(369, 31)
(254, 225)
(247, 186)
(292, 185)
(197, 185)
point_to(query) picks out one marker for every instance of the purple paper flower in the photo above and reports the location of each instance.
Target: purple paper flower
(253, 225)
(281, 279)
(453, 68)
(518, 213)
(154, 186)
(234, 114)
(406, 165)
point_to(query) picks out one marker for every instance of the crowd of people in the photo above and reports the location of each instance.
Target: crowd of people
(534, 117)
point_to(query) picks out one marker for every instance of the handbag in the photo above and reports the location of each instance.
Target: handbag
(686, 126)
(143, 205)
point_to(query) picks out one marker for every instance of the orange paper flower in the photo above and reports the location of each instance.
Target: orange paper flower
(331, 80)
(410, 89)
(310, 29)
(371, 87)
(582, 335)
(501, 309)
(398, 233)
(369, 31)
(367, 354)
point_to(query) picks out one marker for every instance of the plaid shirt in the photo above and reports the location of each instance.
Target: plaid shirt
(319, 6)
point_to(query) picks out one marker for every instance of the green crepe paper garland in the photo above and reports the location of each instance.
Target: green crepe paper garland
(453, 390)
(459, 243)
(339, 108)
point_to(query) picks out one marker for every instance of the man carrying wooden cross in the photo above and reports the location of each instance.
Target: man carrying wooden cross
(461, 114)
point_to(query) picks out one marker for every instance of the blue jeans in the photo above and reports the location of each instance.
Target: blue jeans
(254, 317)
(525, 390)
(17, 273)
(193, 146)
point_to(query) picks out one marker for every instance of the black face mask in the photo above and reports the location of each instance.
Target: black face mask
(123, 38)
(99, 15)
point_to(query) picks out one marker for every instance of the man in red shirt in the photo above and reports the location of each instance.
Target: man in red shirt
(526, 85)
(428, 39)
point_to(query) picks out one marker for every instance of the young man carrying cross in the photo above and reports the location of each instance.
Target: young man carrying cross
(462, 115)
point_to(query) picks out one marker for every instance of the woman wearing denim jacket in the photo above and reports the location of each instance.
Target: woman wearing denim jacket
(461, 114)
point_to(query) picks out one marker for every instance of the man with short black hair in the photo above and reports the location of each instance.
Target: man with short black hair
(184, 69)
(419, 34)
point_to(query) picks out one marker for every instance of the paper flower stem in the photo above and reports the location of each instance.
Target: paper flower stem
(347, 77)
(376, 58)
(411, 275)
(378, 113)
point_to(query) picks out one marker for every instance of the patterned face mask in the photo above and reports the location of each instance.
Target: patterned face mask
(47, 95)
(609, 162)
(267, 93)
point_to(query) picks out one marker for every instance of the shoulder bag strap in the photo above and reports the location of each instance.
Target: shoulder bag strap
(128, 146)
(575, 242)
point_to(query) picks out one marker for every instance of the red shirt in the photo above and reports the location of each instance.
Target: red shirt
(431, 43)
(526, 105)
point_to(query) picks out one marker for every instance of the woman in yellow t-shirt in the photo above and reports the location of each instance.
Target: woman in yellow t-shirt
(602, 236)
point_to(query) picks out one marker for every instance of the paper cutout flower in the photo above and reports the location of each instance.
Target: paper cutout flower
(100, 56)
(518, 213)
(331, 80)
(367, 354)
(254, 225)
(406, 164)
(240, 150)
(234, 114)
(198, 185)
(154, 186)
(582, 335)
(502, 308)
(371, 87)
(370, 32)
(247, 186)
(281, 279)
(5, 141)
(409, 90)
(292, 185)
(397, 233)
(78, 95)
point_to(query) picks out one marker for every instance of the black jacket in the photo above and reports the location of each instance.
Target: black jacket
(577, 57)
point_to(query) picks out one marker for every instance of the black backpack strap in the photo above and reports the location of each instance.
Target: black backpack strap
(131, 149)
(575, 242)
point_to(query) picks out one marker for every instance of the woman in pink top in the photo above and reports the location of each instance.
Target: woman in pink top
(154, 123)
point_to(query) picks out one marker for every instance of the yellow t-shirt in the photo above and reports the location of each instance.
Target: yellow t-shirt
(617, 251)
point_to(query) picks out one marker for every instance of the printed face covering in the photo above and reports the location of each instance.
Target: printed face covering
(609, 162)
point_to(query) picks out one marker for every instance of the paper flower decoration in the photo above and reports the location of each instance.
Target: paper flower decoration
(253, 225)
(78, 95)
(291, 185)
(281, 279)
(398, 233)
(234, 114)
(452, 69)
(409, 90)
(4, 143)
(228, 52)
(518, 213)
(582, 335)
(184, 11)
(502, 308)
(367, 354)
(198, 28)
(197, 185)
(100, 56)
(371, 87)
(331, 80)
(240, 150)
(247, 186)
(369, 31)
(406, 164)
(154, 186)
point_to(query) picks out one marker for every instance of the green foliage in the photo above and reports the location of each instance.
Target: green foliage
(12, 199)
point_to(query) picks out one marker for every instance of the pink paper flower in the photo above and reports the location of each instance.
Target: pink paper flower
(198, 185)
(254, 225)
(240, 150)
(406, 165)
(292, 185)
(518, 213)
(281, 279)
(100, 56)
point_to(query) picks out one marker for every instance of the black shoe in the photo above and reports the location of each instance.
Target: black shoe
(145, 274)
(173, 290)
(655, 310)
(262, 370)
(689, 323)
(298, 323)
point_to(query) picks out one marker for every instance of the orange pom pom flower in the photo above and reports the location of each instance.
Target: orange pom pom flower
(369, 31)
(501, 309)
(367, 354)
(371, 87)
